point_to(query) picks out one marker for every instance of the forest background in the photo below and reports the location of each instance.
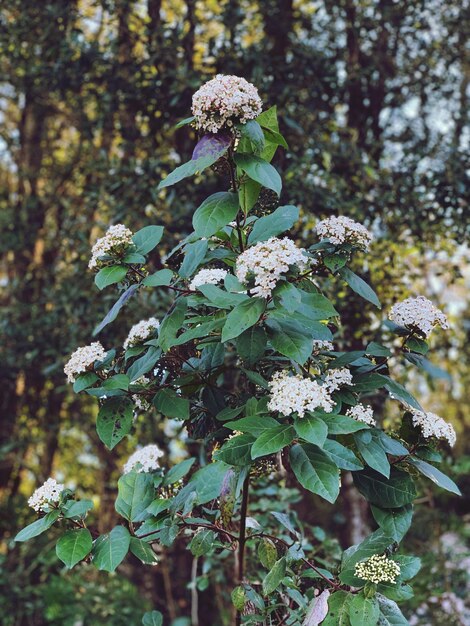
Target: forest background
(372, 97)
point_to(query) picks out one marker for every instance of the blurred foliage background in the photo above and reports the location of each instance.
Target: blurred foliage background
(373, 99)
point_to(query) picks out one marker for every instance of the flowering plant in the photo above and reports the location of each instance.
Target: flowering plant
(246, 358)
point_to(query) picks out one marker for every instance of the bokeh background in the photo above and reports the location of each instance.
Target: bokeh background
(373, 100)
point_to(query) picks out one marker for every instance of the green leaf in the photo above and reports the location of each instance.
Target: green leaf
(375, 349)
(259, 170)
(274, 577)
(243, 316)
(390, 614)
(143, 551)
(202, 542)
(147, 238)
(185, 122)
(376, 543)
(172, 323)
(114, 420)
(152, 618)
(294, 345)
(316, 306)
(282, 219)
(170, 404)
(268, 119)
(394, 522)
(397, 592)
(117, 306)
(256, 425)
(84, 381)
(272, 440)
(338, 609)
(162, 278)
(110, 275)
(236, 451)
(334, 262)
(400, 393)
(238, 597)
(267, 553)
(363, 611)
(216, 211)
(248, 195)
(110, 549)
(312, 429)
(341, 424)
(134, 258)
(343, 457)
(194, 254)
(437, 477)
(392, 493)
(38, 527)
(178, 471)
(208, 481)
(220, 298)
(253, 132)
(143, 364)
(200, 161)
(409, 566)
(370, 447)
(251, 344)
(74, 546)
(315, 471)
(135, 493)
(77, 509)
(359, 285)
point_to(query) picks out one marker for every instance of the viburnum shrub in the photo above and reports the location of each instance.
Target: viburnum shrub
(245, 357)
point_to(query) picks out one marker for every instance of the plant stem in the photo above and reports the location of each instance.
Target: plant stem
(242, 539)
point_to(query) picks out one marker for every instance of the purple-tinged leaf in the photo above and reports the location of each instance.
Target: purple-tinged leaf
(212, 145)
(318, 610)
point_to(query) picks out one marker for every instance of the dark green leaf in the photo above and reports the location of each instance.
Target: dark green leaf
(194, 254)
(294, 345)
(338, 609)
(77, 509)
(236, 451)
(74, 546)
(251, 344)
(376, 543)
(370, 447)
(202, 542)
(343, 457)
(256, 425)
(435, 475)
(312, 429)
(392, 493)
(177, 472)
(252, 131)
(143, 551)
(110, 275)
(117, 306)
(38, 527)
(359, 285)
(260, 170)
(216, 211)
(341, 424)
(143, 364)
(170, 404)
(282, 219)
(172, 323)
(400, 393)
(272, 440)
(114, 420)
(394, 522)
(147, 238)
(315, 471)
(110, 549)
(243, 316)
(363, 611)
(84, 381)
(162, 278)
(390, 614)
(135, 493)
(274, 577)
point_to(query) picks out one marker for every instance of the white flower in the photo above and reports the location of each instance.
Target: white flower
(225, 101)
(48, 493)
(144, 460)
(266, 261)
(116, 240)
(378, 569)
(141, 403)
(432, 425)
(82, 360)
(141, 331)
(207, 277)
(322, 345)
(362, 413)
(337, 378)
(418, 313)
(294, 394)
(342, 229)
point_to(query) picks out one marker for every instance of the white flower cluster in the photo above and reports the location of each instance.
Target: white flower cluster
(362, 413)
(207, 277)
(378, 569)
(224, 101)
(141, 331)
(141, 403)
(342, 229)
(116, 240)
(322, 345)
(144, 460)
(418, 313)
(432, 425)
(266, 261)
(82, 359)
(337, 378)
(46, 494)
(294, 394)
